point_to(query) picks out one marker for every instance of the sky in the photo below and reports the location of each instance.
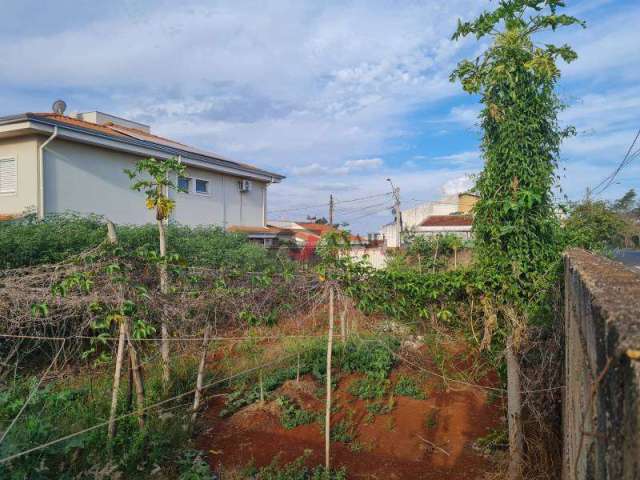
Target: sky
(336, 95)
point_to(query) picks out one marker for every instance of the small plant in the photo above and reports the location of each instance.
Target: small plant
(292, 415)
(407, 387)
(432, 419)
(297, 470)
(345, 430)
(494, 440)
(369, 388)
(194, 467)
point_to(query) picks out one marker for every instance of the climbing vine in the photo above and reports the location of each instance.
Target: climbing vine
(515, 227)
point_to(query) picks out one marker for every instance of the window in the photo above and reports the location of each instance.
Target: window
(202, 186)
(184, 183)
(8, 175)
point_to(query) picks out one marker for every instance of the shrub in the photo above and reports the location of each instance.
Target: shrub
(369, 388)
(406, 386)
(297, 470)
(29, 241)
(292, 415)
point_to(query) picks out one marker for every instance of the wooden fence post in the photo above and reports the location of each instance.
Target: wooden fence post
(116, 380)
(327, 417)
(137, 377)
(514, 413)
(199, 379)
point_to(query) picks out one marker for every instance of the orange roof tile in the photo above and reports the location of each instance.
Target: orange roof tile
(448, 221)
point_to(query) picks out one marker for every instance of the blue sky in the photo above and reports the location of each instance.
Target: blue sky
(336, 95)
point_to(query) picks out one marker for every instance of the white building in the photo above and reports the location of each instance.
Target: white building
(51, 163)
(413, 217)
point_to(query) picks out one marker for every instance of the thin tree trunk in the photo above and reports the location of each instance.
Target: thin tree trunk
(261, 387)
(327, 416)
(455, 258)
(164, 286)
(435, 255)
(138, 381)
(514, 412)
(343, 319)
(298, 370)
(199, 379)
(129, 384)
(116, 381)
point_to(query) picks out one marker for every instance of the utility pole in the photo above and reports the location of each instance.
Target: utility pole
(396, 209)
(331, 209)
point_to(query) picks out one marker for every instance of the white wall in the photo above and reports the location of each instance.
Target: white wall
(25, 151)
(89, 179)
(413, 217)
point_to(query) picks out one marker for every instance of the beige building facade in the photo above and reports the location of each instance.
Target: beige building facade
(52, 163)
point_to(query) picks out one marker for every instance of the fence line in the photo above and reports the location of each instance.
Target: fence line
(32, 393)
(157, 339)
(139, 411)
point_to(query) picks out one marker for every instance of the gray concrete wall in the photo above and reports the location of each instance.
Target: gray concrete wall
(601, 409)
(89, 179)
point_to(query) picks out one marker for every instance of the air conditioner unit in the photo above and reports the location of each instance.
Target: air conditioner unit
(245, 185)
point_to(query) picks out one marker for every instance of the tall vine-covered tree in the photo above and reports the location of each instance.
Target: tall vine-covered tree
(515, 228)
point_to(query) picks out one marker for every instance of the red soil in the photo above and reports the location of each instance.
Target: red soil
(398, 445)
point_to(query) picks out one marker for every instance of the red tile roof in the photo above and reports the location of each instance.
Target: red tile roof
(261, 230)
(119, 131)
(448, 221)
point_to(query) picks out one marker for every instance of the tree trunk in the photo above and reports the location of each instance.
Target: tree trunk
(164, 286)
(327, 416)
(435, 255)
(116, 381)
(514, 412)
(261, 387)
(298, 370)
(199, 379)
(343, 319)
(138, 381)
(455, 258)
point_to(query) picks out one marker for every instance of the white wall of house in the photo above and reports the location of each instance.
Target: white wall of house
(24, 151)
(89, 179)
(412, 217)
(462, 231)
(375, 257)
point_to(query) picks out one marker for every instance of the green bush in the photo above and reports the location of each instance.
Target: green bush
(28, 241)
(297, 470)
(68, 406)
(292, 415)
(369, 388)
(407, 387)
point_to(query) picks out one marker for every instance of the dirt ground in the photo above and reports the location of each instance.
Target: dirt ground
(419, 439)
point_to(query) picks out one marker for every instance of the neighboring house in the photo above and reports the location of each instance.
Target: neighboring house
(51, 163)
(306, 235)
(413, 218)
(268, 237)
(459, 225)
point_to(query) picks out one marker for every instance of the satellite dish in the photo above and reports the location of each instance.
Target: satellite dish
(59, 106)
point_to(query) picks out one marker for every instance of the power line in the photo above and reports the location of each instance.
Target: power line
(306, 207)
(608, 180)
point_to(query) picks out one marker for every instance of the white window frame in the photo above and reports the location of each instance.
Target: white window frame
(195, 188)
(189, 181)
(15, 191)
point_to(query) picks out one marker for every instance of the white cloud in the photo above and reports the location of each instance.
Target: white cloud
(466, 116)
(461, 158)
(349, 167)
(457, 185)
(363, 164)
